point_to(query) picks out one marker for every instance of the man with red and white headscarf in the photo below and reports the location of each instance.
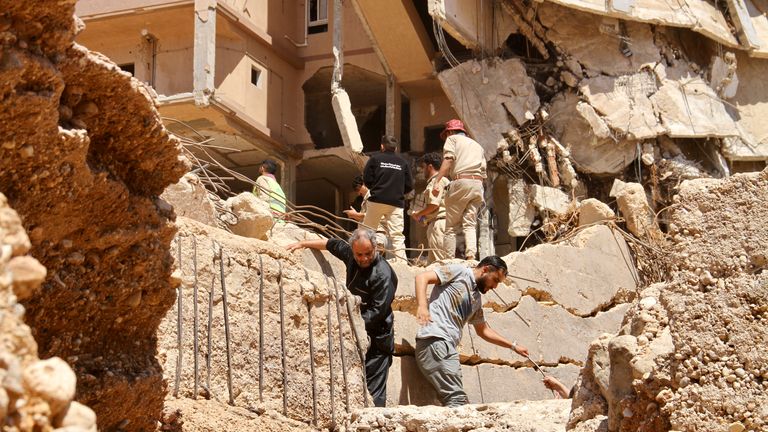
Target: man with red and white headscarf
(464, 160)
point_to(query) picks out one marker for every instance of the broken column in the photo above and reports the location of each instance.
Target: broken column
(637, 212)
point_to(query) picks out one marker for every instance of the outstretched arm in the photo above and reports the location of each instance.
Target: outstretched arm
(445, 168)
(422, 280)
(487, 333)
(319, 244)
(553, 384)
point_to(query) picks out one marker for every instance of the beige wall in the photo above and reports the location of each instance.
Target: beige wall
(429, 110)
(120, 38)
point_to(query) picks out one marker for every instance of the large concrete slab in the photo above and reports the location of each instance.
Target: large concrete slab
(697, 15)
(483, 383)
(554, 335)
(582, 274)
(486, 94)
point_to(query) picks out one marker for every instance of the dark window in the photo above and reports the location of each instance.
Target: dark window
(128, 67)
(317, 16)
(255, 74)
(432, 141)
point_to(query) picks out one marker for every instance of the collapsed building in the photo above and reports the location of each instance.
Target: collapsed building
(166, 291)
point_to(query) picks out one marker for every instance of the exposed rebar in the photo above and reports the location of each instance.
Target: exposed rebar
(261, 330)
(179, 321)
(330, 363)
(196, 348)
(226, 325)
(341, 345)
(312, 363)
(356, 337)
(282, 336)
(210, 350)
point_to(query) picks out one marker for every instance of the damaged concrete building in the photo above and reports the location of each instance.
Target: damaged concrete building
(127, 305)
(563, 95)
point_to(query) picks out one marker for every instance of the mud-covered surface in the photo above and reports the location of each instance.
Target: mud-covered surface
(83, 156)
(693, 353)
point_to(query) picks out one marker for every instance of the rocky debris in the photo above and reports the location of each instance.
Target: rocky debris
(544, 416)
(83, 157)
(35, 394)
(254, 217)
(521, 211)
(190, 199)
(187, 415)
(246, 263)
(592, 211)
(550, 200)
(487, 94)
(636, 211)
(692, 354)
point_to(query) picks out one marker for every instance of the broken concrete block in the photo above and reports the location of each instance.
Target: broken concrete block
(688, 107)
(342, 108)
(581, 36)
(592, 154)
(521, 210)
(596, 122)
(723, 78)
(700, 16)
(582, 274)
(624, 104)
(592, 211)
(555, 335)
(485, 94)
(569, 78)
(189, 198)
(254, 218)
(637, 212)
(550, 199)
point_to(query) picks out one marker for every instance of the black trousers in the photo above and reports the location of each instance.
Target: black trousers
(378, 359)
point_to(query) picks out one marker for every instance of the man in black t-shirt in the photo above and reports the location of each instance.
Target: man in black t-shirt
(371, 278)
(388, 177)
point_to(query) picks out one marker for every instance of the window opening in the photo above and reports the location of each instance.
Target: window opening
(317, 16)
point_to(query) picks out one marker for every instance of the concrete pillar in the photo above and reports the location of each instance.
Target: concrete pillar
(485, 244)
(394, 108)
(204, 55)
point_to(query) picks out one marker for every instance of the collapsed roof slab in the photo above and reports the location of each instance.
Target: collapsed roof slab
(595, 42)
(755, 13)
(473, 27)
(697, 15)
(689, 107)
(589, 152)
(749, 108)
(624, 103)
(486, 94)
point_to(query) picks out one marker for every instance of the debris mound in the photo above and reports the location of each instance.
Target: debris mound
(692, 352)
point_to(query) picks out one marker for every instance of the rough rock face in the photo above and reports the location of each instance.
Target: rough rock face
(246, 263)
(83, 157)
(692, 353)
(35, 394)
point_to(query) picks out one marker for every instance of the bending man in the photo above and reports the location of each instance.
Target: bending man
(370, 277)
(455, 300)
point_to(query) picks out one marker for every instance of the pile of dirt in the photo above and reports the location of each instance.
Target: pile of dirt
(692, 354)
(83, 157)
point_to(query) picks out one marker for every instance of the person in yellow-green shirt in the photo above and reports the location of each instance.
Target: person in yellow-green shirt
(268, 189)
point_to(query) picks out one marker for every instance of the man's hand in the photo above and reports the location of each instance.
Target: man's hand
(294, 246)
(523, 351)
(354, 214)
(422, 315)
(553, 384)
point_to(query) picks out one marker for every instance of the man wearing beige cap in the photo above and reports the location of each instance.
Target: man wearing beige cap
(464, 159)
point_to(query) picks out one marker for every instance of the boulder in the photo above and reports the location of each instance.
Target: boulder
(637, 212)
(592, 211)
(254, 218)
(189, 198)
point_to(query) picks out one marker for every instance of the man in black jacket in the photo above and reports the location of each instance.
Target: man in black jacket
(370, 277)
(388, 177)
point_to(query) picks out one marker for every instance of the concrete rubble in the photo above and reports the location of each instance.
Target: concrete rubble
(685, 358)
(544, 416)
(249, 263)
